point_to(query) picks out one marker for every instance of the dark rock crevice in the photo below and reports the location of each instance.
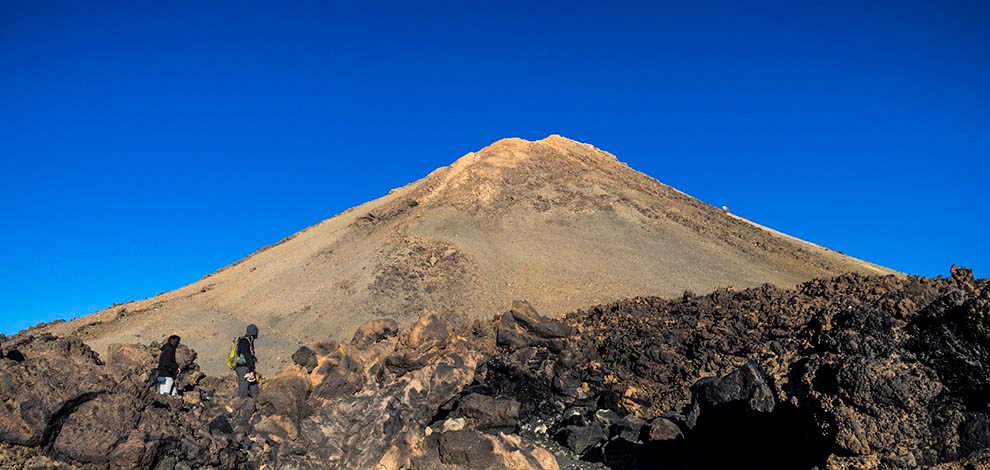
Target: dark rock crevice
(57, 420)
(728, 436)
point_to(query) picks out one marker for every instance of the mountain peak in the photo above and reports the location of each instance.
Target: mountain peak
(510, 151)
(552, 139)
(554, 221)
(515, 171)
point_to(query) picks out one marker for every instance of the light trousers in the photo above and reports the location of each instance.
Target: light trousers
(166, 386)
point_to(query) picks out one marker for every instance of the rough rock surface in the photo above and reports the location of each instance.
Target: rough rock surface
(62, 403)
(849, 372)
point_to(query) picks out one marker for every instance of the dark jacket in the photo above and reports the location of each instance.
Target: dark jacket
(167, 367)
(245, 353)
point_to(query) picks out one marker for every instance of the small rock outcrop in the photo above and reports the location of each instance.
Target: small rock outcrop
(67, 406)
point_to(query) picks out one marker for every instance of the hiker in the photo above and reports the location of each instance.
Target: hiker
(168, 369)
(247, 378)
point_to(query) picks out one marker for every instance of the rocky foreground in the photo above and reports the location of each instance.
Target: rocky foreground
(850, 372)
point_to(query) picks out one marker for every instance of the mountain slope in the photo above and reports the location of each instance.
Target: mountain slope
(557, 222)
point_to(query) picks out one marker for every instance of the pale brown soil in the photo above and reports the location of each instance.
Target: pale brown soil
(556, 222)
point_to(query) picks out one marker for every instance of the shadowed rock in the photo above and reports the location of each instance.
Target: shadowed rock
(75, 409)
(374, 331)
(306, 358)
(487, 413)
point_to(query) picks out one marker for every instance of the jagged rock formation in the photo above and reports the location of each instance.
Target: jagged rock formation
(554, 221)
(849, 372)
(64, 407)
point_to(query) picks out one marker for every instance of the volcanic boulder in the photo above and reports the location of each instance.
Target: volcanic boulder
(50, 381)
(70, 407)
(375, 402)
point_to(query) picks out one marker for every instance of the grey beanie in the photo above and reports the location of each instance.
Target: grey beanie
(252, 330)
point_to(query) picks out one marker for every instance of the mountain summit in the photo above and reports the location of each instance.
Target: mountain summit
(556, 222)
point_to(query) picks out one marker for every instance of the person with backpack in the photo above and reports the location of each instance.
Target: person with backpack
(168, 368)
(244, 361)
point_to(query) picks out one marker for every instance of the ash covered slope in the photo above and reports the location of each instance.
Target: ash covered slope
(555, 221)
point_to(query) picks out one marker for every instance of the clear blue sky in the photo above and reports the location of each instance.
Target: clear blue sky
(145, 144)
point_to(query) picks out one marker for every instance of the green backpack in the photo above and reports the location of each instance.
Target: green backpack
(232, 360)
